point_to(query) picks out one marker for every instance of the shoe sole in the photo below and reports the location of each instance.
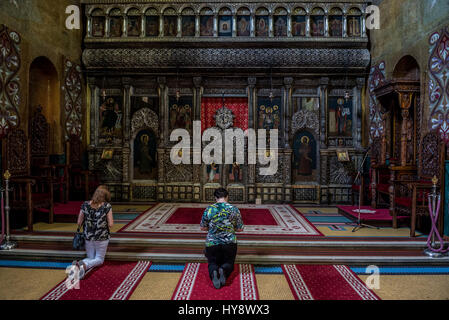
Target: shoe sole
(222, 277)
(216, 281)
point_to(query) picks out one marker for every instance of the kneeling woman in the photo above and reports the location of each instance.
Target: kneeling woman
(96, 218)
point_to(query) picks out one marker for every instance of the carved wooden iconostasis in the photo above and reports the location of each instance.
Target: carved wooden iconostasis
(155, 68)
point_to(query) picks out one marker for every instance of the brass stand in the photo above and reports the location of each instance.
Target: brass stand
(8, 244)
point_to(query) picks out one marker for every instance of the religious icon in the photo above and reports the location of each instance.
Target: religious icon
(188, 26)
(225, 26)
(269, 114)
(317, 26)
(207, 26)
(280, 26)
(262, 26)
(343, 155)
(180, 116)
(353, 26)
(111, 116)
(115, 26)
(213, 173)
(335, 26)
(243, 26)
(340, 117)
(133, 26)
(304, 157)
(299, 26)
(310, 104)
(235, 173)
(98, 26)
(145, 156)
(152, 26)
(107, 154)
(170, 26)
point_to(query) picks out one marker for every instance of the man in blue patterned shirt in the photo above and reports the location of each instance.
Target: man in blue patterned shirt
(222, 221)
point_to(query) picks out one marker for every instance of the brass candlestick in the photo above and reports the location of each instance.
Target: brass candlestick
(8, 244)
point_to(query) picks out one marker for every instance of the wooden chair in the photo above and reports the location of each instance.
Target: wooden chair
(41, 166)
(28, 193)
(410, 196)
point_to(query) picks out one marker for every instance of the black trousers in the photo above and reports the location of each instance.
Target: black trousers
(221, 256)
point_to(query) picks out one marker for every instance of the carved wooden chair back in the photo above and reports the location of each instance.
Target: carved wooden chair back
(40, 143)
(431, 157)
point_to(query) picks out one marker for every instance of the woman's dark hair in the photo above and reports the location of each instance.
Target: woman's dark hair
(221, 193)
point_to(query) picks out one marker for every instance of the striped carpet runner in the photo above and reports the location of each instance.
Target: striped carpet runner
(112, 281)
(195, 284)
(316, 282)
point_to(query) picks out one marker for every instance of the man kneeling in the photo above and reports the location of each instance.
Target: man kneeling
(222, 221)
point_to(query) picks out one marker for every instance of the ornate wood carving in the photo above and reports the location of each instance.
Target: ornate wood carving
(430, 156)
(10, 63)
(224, 58)
(40, 134)
(72, 99)
(304, 119)
(75, 150)
(17, 155)
(376, 78)
(439, 83)
(376, 151)
(144, 119)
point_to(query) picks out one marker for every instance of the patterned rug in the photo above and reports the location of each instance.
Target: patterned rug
(195, 284)
(266, 220)
(113, 281)
(316, 282)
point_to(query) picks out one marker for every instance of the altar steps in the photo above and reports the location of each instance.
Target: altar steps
(309, 251)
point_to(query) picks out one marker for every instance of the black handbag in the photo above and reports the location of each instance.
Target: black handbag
(79, 241)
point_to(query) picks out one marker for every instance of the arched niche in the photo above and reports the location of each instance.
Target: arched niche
(407, 69)
(145, 137)
(44, 90)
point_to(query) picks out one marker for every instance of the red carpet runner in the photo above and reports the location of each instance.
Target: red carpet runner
(326, 283)
(195, 284)
(113, 281)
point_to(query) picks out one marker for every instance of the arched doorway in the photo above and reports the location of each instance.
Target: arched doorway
(44, 91)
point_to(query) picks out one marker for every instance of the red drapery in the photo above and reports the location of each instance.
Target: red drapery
(239, 106)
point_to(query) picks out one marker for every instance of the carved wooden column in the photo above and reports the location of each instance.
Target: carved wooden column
(326, 24)
(374, 188)
(385, 133)
(93, 108)
(324, 83)
(196, 150)
(126, 130)
(251, 183)
(253, 24)
(163, 105)
(142, 26)
(288, 82)
(360, 82)
(251, 101)
(197, 82)
(405, 100)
